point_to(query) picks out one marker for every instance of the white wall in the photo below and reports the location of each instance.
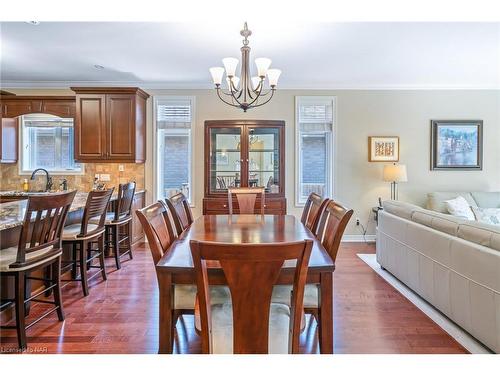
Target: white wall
(361, 113)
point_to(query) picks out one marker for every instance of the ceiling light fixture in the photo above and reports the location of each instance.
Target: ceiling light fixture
(251, 88)
(99, 67)
(33, 23)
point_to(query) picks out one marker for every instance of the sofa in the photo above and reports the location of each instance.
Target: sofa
(452, 263)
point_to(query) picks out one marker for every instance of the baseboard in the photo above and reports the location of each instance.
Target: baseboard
(359, 238)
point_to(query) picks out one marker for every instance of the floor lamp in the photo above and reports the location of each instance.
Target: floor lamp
(395, 173)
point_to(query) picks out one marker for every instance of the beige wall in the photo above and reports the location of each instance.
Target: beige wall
(358, 183)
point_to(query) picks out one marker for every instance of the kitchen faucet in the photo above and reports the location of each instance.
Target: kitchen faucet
(48, 185)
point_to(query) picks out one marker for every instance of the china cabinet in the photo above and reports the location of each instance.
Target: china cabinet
(244, 153)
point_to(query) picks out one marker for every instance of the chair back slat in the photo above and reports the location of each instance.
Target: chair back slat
(251, 271)
(42, 227)
(95, 207)
(331, 227)
(313, 208)
(180, 211)
(157, 227)
(246, 198)
(126, 194)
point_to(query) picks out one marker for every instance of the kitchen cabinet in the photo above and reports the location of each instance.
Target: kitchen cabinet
(8, 140)
(110, 124)
(61, 106)
(244, 153)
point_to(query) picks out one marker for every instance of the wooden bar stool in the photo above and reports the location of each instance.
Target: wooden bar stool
(39, 247)
(82, 236)
(119, 223)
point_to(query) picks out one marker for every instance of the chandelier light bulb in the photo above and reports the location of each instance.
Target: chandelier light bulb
(255, 82)
(230, 63)
(263, 64)
(235, 80)
(273, 75)
(217, 73)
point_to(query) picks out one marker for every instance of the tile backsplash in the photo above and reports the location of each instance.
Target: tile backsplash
(11, 180)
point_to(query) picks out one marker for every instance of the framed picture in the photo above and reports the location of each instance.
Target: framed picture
(222, 158)
(456, 144)
(383, 149)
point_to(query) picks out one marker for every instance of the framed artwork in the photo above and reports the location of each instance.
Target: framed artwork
(456, 145)
(382, 148)
(222, 158)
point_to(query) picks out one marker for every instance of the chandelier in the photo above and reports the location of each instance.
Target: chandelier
(245, 92)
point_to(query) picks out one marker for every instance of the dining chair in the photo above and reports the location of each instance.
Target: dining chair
(312, 211)
(119, 223)
(331, 226)
(82, 236)
(246, 198)
(160, 234)
(39, 247)
(248, 322)
(180, 211)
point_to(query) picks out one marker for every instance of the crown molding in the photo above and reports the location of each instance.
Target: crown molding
(205, 86)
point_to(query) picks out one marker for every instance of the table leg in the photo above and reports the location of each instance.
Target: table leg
(166, 337)
(326, 313)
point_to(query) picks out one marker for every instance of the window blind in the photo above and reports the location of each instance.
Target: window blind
(174, 114)
(315, 115)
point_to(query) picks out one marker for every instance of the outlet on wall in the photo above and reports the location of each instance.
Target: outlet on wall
(357, 219)
(105, 177)
(121, 168)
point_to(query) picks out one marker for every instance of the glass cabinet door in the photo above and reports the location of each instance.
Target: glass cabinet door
(225, 158)
(263, 158)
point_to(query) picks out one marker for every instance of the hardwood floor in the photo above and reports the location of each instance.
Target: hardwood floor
(121, 315)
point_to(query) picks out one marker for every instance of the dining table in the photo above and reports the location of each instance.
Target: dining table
(176, 265)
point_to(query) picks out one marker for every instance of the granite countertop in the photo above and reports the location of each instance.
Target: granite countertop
(12, 213)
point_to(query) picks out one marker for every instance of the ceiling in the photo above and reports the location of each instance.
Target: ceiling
(312, 56)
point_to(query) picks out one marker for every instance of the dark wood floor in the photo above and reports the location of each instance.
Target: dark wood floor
(121, 315)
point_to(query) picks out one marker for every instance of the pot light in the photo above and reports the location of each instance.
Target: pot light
(33, 23)
(98, 67)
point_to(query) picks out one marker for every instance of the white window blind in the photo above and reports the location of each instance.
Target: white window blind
(173, 114)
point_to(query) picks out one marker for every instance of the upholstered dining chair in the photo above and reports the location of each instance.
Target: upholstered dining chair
(246, 198)
(82, 236)
(249, 323)
(39, 247)
(331, 226)
(180, 211)
(160, 233)
(312, 211)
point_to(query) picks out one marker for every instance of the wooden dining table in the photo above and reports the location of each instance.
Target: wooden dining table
(176, 265)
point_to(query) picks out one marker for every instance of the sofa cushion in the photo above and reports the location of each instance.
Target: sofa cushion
(483, 234)
(401, 209)
(487, 215)
(487, 199)
(441, 222)
(459, 207)
(436, 200)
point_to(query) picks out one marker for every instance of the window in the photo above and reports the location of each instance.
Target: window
(174, 124)
(47, 142)
(314, 139)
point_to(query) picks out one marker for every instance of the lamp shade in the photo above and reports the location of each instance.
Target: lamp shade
(395, 173)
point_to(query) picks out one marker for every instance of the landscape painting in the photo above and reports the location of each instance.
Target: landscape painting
(456, 145)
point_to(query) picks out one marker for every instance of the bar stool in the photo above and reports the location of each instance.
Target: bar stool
(119, 223)
(39, 247)
(82, 236)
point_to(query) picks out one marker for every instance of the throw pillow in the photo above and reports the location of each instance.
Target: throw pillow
(487, 215)
(459, 207)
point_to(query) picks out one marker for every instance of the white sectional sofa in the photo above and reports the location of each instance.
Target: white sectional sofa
(452, 263)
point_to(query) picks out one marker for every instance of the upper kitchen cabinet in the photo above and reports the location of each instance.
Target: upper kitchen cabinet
(110, 124)
(8, 140)
(14, 106)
